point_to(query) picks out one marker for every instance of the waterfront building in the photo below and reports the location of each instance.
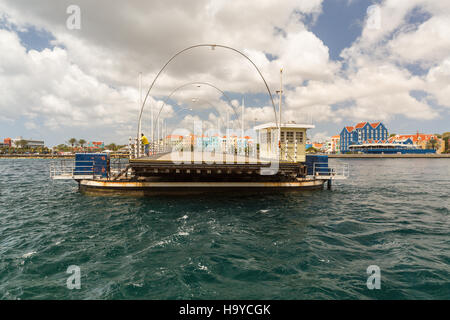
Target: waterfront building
(188, 141)
(319, 146)
(335, 144)
(290, 146)
(362, 133)
(7, 142)
(174, 139)
(420, 140)
(96, 145)
(29, 142)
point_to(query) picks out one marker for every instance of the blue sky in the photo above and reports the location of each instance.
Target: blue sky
(340, 24)
(331, 25)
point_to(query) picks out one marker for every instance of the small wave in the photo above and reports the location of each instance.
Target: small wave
(137, 285)
(160, 243)
(264, 210)
(28, 254)
(202, 267)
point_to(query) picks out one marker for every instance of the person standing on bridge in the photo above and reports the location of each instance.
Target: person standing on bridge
(146, 144)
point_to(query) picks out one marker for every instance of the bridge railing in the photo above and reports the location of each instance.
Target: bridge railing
(64, 169)
(324, 170)
(284, 152)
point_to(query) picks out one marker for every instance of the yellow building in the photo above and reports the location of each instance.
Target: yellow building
(290, 147)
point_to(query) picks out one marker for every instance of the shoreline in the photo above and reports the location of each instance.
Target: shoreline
(389, 156)
(49, 156)
(331, 156)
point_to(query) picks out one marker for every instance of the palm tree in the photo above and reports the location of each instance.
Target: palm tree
(81, 142)
(72, 142)
(21, 143)
(112, 146)
(433, 143)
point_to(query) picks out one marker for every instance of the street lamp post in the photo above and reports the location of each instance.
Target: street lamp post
(140, 120)
(279, 111)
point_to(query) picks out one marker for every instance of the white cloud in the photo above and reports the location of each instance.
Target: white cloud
(426, 45)
(376, 84)
(91, 75)
(438, 82)
(320, 136)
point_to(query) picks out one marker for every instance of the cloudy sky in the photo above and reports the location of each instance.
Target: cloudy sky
(343, 61)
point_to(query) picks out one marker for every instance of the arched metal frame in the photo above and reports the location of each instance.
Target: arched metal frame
(213, 46)
(195, 83)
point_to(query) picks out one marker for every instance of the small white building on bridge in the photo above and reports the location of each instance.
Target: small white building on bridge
(292, 144)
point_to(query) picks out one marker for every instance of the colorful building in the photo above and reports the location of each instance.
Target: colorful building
(174, 140)
(420, 140)
(318, 146)
(335, 144)
(96, 145)
(361, 133)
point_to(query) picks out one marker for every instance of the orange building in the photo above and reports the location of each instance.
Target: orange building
(419, 139)
(7, 141)
(335, 144)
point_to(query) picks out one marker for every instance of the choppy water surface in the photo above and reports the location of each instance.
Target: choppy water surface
(393, 213)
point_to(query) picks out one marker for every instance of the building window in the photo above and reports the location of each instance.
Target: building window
(299, 137)
(290, 137)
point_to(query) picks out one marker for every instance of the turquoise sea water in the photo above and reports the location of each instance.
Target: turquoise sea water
(393, 213)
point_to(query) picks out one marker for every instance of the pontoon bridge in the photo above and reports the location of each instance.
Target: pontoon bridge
(273, 158)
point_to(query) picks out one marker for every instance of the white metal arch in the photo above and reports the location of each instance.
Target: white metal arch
(197, 46)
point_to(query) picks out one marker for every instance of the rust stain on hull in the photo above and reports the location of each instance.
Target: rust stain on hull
(144, 184)
(183, 188)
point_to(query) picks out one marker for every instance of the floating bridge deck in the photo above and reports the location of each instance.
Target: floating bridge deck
(206, 166)
(194, 169)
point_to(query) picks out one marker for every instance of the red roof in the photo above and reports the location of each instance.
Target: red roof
(418, 137)
(360, 125)
(349, 129)
(375, 124)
